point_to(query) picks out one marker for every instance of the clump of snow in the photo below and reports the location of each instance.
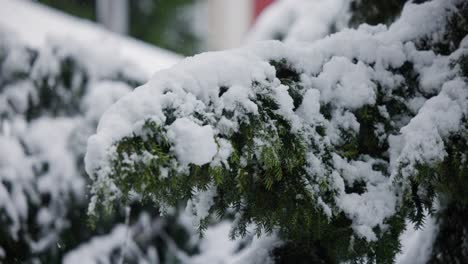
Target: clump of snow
(309, 111)
(345, 84)
(192, 143)
(102, 95)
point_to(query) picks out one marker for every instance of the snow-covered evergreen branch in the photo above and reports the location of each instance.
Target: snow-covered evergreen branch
(333, 144)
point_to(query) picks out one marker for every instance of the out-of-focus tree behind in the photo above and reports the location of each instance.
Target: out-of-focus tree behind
(165, 23)
(80, 8)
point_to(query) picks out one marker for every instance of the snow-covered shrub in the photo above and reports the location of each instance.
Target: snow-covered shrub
(42, 181)
(331, 144)
(50, 102)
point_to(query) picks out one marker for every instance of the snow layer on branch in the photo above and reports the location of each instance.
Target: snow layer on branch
(98, 249)
(192, 143)
(124, 243)
(199, 205)
(216, 247)
(177, 90)
(102, 95)
(49, 137)
(346, 71)
(345, 84)
(300, 20)
(417, 243)
(421, 141)
(35, 24)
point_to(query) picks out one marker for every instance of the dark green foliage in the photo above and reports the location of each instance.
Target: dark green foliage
(450, 182)
(276, 165)
(147, 178)
(80, 8)
(290, 78)
(463, 62)
(367, 142)
(450, 245)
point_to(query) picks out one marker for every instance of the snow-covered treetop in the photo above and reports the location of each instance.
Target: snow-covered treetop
(329, 139)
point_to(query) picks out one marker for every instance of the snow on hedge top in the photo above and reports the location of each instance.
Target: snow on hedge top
(35, 24)
(345, 71)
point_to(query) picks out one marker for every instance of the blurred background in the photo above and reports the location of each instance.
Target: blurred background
(186, 27)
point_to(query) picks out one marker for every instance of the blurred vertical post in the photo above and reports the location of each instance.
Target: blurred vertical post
(113, 14)
(229, 20)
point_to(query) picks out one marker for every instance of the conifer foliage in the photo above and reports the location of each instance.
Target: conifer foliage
(331, 144)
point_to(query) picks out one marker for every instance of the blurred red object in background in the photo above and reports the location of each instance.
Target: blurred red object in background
(259, 6)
